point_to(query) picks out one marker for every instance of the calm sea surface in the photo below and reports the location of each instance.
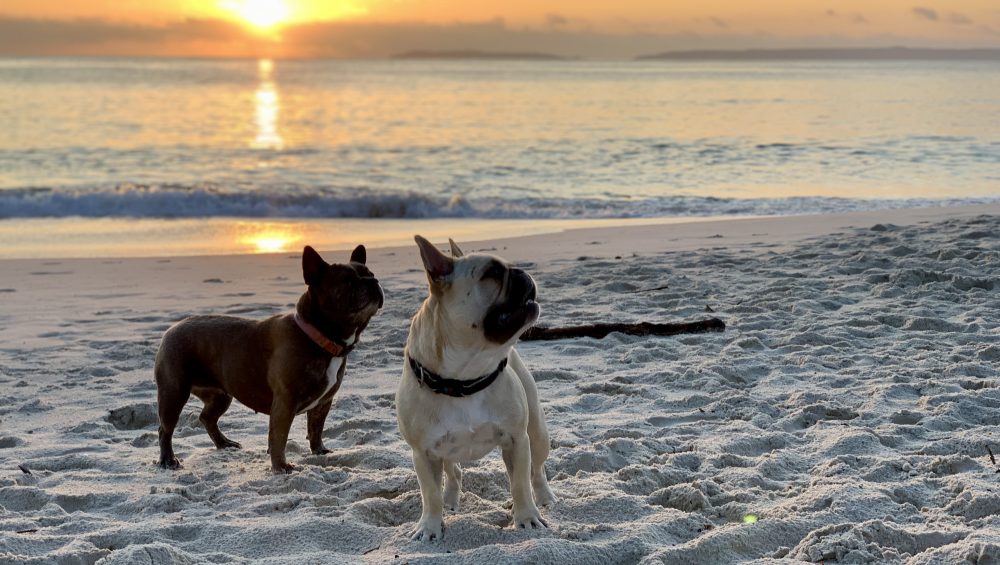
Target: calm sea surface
(97, 148)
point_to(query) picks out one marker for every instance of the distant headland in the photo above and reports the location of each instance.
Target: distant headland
(473, 54)
(835, 54)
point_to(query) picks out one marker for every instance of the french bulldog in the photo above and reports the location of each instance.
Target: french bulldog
(286, 365)
(464, 389)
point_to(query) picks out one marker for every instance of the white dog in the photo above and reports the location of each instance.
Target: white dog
(465, 390)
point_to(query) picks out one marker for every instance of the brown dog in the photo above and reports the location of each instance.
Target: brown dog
(282, 366)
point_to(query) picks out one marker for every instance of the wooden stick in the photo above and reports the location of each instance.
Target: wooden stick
(641, 290)
(600, 331)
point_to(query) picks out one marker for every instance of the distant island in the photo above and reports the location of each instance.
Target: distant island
(837, 54)
(472, 54)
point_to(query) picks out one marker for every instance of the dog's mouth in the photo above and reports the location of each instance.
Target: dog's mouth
(523, 316)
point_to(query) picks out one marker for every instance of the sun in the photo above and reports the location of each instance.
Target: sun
(264, 15)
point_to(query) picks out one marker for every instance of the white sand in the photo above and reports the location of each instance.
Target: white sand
(848, 406)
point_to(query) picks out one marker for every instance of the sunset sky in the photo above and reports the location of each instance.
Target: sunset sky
(377, 28)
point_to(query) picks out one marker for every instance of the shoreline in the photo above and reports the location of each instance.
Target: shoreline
(775, 232)
(129, 238)
(237, 234)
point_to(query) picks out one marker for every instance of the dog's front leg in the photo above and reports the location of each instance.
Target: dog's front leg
(538, 436)
(517, 457)
(282, 413)
(431, 525)
(314, 427)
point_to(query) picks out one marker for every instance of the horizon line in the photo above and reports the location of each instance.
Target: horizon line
(680, 55)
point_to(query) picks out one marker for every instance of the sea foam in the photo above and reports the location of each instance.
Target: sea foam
(176, 201)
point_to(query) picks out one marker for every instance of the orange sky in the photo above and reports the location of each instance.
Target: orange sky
(580, 27)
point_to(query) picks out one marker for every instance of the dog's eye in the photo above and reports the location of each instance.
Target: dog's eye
(495, 271)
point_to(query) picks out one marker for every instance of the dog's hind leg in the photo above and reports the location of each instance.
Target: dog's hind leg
(431, 524)
(452, 485)
(172, 392)
(316, 418)
(216, 403)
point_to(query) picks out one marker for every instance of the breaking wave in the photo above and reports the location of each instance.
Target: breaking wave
(176, 201)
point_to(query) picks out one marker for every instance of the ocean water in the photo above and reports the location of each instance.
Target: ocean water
(143, 147)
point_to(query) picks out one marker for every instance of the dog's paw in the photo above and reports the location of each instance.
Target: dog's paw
(428, 529)
(172, 464)
(544, 497)
(283, 468)
(529, 518)
(321, 451)
(228, 444)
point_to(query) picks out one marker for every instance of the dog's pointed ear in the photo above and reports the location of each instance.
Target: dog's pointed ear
(359, 255)
(456, 251)
(437, 264)
(313, 266)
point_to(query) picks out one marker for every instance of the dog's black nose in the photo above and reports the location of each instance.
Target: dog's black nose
(522, 285)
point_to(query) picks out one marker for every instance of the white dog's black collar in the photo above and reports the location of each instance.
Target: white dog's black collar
(453, 387)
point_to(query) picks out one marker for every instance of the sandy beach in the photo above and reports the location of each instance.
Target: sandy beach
(845, 415)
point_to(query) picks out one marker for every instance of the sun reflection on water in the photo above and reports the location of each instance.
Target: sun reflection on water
(271, 244)
(268, 239)
(268, 105)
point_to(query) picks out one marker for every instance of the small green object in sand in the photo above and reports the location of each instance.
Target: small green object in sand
(750, 519)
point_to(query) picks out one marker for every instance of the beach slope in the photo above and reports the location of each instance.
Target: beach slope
(844, 415)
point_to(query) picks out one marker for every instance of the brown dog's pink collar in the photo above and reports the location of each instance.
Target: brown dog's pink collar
(334, 348)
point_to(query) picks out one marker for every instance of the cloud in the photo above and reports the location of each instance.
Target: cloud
(930, 14)
(337, 39)
(556, 20)
(719, 22)
(357, 39)
(93, 36)
(959, 19)
(926, 13)
(857, 18)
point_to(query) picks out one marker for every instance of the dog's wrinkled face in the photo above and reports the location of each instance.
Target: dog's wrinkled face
(480, 294)
(342, 296)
